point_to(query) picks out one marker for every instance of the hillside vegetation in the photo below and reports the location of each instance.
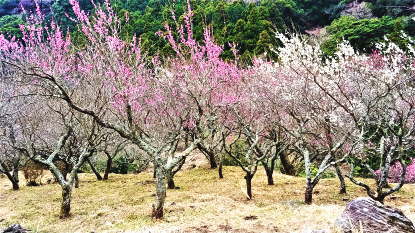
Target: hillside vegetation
(249, 24)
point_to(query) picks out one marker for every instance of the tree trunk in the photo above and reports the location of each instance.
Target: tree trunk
(160, 192)
(99, 177)
(108, 168)
(15, 183)
(286, 167)
(76, 180)
(66, 201)
(380, 198)
(341, 179)
(16, 175)
(220, 170)
(170, 183)
(212, 161)
(269, 173)
(308, 198)
(248, 179)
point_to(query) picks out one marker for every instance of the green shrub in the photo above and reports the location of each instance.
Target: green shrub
(9, 25)
(364, 34)
(122, 165)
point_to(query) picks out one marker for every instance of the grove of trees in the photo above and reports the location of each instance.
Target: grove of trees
(63, 100)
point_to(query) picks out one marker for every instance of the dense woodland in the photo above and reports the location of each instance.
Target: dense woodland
(249, 24)
(147, 83)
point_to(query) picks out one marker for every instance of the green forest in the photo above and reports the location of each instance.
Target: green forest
(250, 24)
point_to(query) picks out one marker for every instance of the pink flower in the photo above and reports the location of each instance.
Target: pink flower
(395, 173)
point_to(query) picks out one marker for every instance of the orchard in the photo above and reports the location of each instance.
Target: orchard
(66, 100)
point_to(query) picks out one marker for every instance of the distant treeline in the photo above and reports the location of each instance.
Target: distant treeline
(249, 24)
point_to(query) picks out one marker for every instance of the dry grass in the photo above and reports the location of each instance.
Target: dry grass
(203, 204)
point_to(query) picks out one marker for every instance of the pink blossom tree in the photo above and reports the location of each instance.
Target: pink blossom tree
(209, 83)
(396, 171)
(148, 103)
(251, 124)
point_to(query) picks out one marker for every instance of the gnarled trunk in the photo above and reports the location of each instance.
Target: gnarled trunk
(341, 179)
(160, 192)
(286, 167)
(108, 168)
(248, 179)
(66, 201)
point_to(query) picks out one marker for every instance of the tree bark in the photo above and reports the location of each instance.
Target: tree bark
(15, 174)
(269, 170)
(76, 181)
(160, 192)
(287, 167)
(170, 177)
(341, 179)
(269, 173)
(170, 183)
(66, 201)
(248, 179)
(220, 170)
(13, 177)
(308, 198)
(380, 198)
(209, 155)
(108, 168)
(15, 183)
(212, 161)
(99, 177)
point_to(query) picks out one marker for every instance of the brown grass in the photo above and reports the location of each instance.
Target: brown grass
(203, 204)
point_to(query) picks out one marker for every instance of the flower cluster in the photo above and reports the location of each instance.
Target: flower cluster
(395, 173)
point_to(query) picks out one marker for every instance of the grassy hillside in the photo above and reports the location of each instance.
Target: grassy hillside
(203, 204)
